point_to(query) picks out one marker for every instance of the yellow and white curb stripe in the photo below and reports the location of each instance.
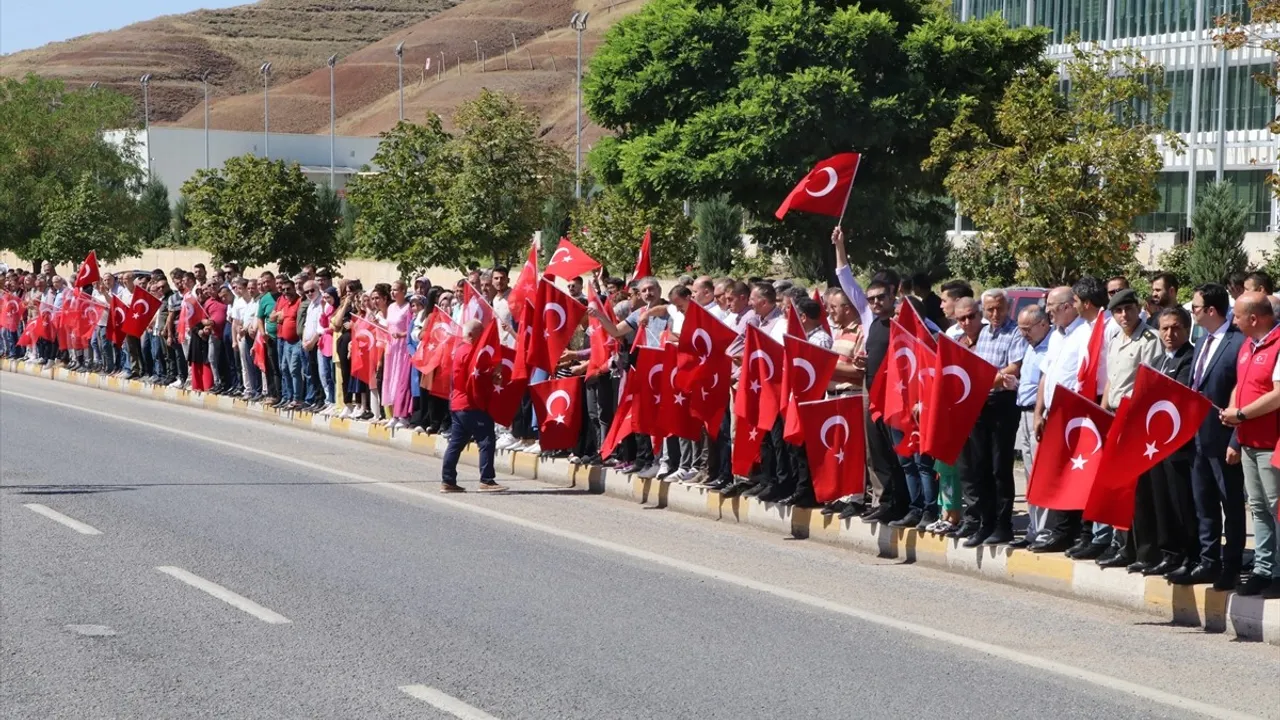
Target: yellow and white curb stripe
(1248, 618)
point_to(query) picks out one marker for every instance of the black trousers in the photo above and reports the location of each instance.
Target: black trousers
(987, 484)
(886, 471)
(1171, 530)
(136, 359)
(775, 458)
(720, 450)
(1218, 492)
(601, 397)
(273, 368)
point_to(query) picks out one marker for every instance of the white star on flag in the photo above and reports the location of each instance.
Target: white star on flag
(1150, 451)
(755, 386)
(752, 435)
(1077, 462)
(839, 457)
(558, 419)
(679, 398)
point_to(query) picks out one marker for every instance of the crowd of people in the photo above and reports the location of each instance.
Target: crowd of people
(289, 342)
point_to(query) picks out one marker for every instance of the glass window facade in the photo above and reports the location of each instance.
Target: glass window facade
(1171, 213)
(1134, 18)
(1249, 104)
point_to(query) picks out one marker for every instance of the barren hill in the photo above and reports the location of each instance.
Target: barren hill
(231, 44)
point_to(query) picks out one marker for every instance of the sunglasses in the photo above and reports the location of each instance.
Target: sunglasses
(970, 316)
(882, 297)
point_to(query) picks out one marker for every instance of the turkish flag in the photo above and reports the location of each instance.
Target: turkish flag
(569, 261)
(484, 359)
(795, 328)
(143, 307)
(759, 398)
(46, 322)
(895, 391)
(703, 338)
(116, 318)
(189, 318)
(368, 341)
(807, 372)
(835, 443)
(825, 190)
(623, 424)
(910, 320)
(91, 312)
(474, 306)
(676, 411)
(959, 386)
(603, 345)
(1070, 452)
(508, 390)
(64, 319)
(826, 323)
(1160, 417)
(555, 318)
(647, 386)
(711, 397)
(434, 345)
(557, 404)
(30, 333)
(525, 286)
(644, 266)
(747, 439)
(260, 351)
(88, 273)
(10, 311)
(1091, 363)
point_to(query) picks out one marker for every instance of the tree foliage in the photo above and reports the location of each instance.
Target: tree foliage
(611, 226)
(1062, 171)
(80, 221)
(1218, 226)
(719, 225)
(50, 137)
(258, 211)
(739, 97)
(154, 216)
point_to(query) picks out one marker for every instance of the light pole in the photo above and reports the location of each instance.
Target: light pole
(146, 117)
(333, 60)
(265, 70)
(400, 75)
(205, 79)
(579, 24)
(477, 42)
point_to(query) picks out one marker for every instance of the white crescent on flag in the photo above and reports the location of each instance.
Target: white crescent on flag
(832, 179)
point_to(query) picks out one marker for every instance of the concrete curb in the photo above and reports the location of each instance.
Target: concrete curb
(1247, 618)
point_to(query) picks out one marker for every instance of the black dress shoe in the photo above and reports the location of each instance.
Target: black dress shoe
(758, 490)
(1226, 582)
(1050, 543)
(835, 507)
(1164, 567)
(1140, 567)
(927, 519)
(1116, 560)
(999, 537)
(852, 510)
(737, 489)
(910, 520)
(966, 530)
(978, 537)
(1254, 585)
(1019, 543)
(801, 499)
(774, 494)
(879, 513)
(1195, 575)
(1092, 551)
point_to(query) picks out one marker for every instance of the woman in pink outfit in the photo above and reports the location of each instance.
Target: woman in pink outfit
(396, 392)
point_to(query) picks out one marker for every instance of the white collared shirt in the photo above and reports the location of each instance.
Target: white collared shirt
(1061, 364)
(1215, 342)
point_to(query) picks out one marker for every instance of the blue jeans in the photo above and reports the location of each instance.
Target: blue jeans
(469, 425)
(538, 375)
(1262, 484)
(291, 363)
(326, 376)
(156, 346)
(922, 482)
(311, 380)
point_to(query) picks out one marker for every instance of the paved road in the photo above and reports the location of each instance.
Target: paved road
(351, 579)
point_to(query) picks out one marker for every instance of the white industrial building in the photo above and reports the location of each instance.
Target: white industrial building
(175, 154)
(1224, 125)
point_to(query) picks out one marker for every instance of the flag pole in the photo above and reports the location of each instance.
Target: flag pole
(849, 192)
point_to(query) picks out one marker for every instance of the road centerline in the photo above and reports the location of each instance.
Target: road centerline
(54, 515)
(233, 599)
(446, 703)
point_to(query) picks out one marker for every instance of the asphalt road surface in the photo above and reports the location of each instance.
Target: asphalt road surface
(166, 562)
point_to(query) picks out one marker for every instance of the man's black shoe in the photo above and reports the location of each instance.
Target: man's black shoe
(1139, 567)
(1051, 543)
(910, 520)
(852, 510)
(1019, 543)
(1254, 585)
(1092, 551)
(835, 507)
(879, 514)
(774, 494)
(999, 537)
(1165, 567)
(1195, 574)
(1115, 559)
(737, 489)
(758, 489)
(978, 537)
(801, 499)
(966, 530)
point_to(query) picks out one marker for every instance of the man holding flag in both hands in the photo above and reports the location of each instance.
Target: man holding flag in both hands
(470, 422)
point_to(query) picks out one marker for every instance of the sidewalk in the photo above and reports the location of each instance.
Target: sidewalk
(1247, 618)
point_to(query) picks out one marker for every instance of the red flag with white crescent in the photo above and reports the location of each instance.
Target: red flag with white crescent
(569, 261)
(644, 265)
(475, 306)
(960, 384)
(1091, 363)
(526, 285)
(1069, 453)
(88, 273)
(191, 315)
(825, 190)
(508, 389)
(807, 370)
(557, 406)
(835, 444)
(10, 311)
(368, 341)
(484, 358)
(116, 318)
(759, 400)
(649, 379)
(703, 339)
(676, 407)
(603, 345)
(555, 318)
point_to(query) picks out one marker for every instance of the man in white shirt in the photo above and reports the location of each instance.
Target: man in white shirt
(244, 324)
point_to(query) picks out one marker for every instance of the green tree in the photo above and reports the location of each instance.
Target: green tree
(1061, 177)
(719, 225)
(257, 211)
(611, 226)
(403, 212)
(49, 137)
(505, 174)
(1218, 226)
(73, 224)
(739, 97)
(154, 215)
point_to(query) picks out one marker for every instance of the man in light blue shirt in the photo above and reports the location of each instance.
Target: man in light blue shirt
(1033, 324)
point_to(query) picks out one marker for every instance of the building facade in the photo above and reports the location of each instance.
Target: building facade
(1216, 105)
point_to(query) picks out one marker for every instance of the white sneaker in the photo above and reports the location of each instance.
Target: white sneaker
(532, 448)
(507, 442)
(648, 472)
(686, 477)
(175, 384)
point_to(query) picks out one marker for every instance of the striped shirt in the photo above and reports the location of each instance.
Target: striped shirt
(1001, 346)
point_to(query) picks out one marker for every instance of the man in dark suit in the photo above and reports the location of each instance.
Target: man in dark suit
(1217, 481)
(1164, 519)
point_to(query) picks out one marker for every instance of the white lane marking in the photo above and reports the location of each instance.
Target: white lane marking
(447, 703)
(225, 595)
(54, 515)
(1009, 654)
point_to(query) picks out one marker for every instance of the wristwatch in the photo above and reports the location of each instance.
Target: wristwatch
(1240, 415)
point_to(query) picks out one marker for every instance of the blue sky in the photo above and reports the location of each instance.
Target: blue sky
(31, 23)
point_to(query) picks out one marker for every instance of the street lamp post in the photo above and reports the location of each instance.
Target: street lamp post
(477, 42)
(333, 60)
(400, 75)
(146, 117)
(265, 70)
(205, 79)
(579, 24)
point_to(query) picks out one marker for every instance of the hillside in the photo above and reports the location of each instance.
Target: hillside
(541, 71)
(231, 44)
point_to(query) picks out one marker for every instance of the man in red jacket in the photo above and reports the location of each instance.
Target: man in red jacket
(469, 422)
(1255, 413)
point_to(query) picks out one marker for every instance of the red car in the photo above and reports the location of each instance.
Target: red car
(1021, 297)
